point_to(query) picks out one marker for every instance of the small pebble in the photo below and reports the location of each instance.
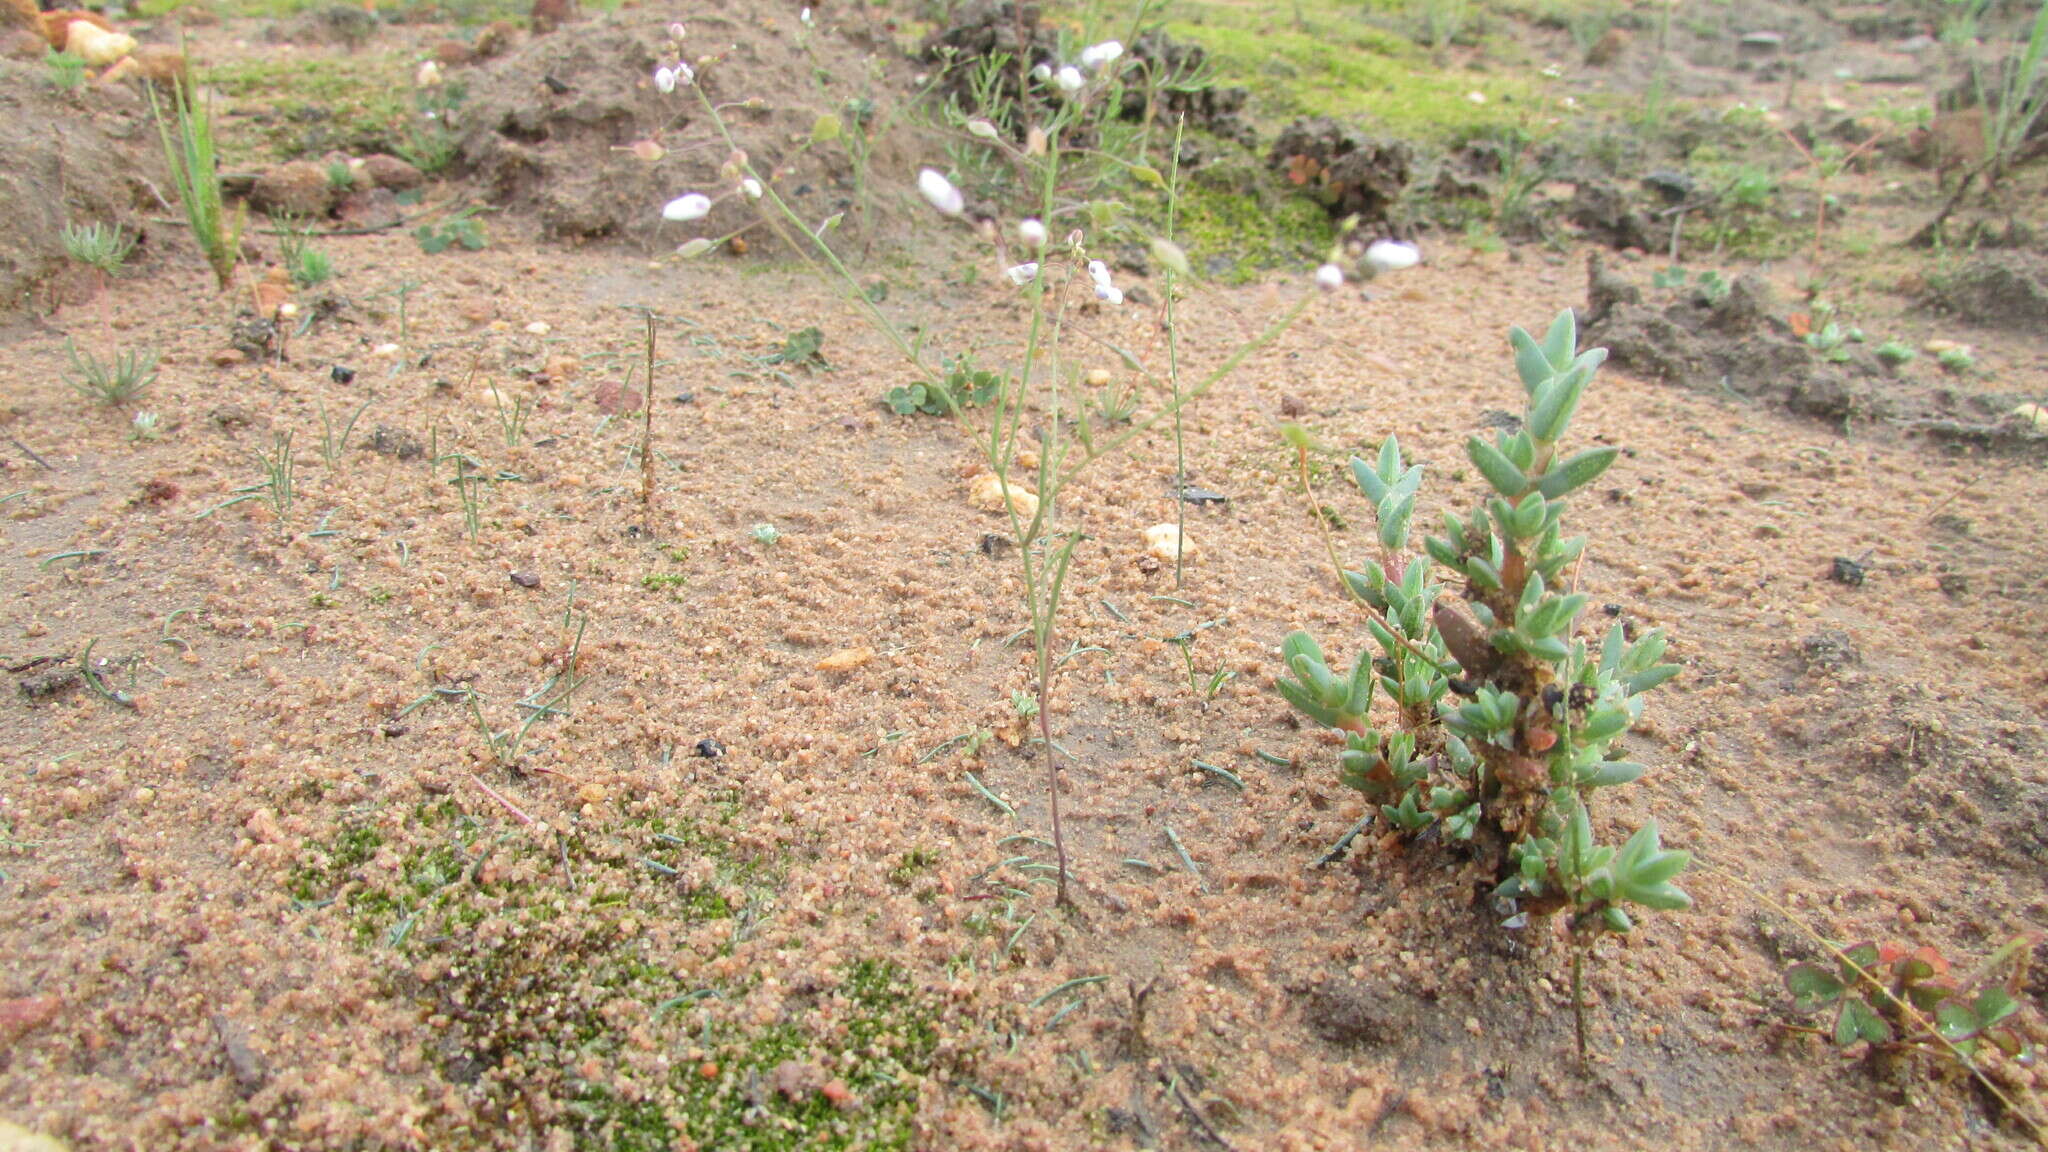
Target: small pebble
(539, 328)
(526, 579)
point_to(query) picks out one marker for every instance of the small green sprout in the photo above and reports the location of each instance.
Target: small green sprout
(1895, 353)
(112, 382)
(764, 534)
(99, 246)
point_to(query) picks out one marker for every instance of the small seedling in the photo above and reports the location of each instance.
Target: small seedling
(102, 247)
(1895, 353)
(340, 176)
(512, 417)
(766, 535)
(334, 442)
(67, 72)
(189, 152)
(277, 487)
(466, 232)
(963, 387)
(112, 382)
(1955, 360)
(1829, 341)
(801, 350)
(1895, 999)
(145, 426)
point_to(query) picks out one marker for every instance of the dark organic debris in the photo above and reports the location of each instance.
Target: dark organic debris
(709, 748)
(1200, 496)
(1351, 173)
(1847, 571)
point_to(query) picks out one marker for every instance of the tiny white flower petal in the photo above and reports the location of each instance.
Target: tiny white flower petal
(939, 192)
(428, 75)
(1031, 232)
(1109, 295)
(1392, 255)
(1041, 73)
(685, 75)
(1476, 96)
(805, 16)
(1098, 272)
(1096, 55)
(692, 206)
(1023, 274)
(751, 188)
(1329, 277)
(665, 79)
(675, 31)
(1069, 79)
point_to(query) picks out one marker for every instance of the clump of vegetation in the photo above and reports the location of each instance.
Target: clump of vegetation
(306, 264)
(67, 72)
(187, 138)
(1892, 999)
(1507, 720)
(964, 386)
(465, 232)
(113, 381)
(102, 247)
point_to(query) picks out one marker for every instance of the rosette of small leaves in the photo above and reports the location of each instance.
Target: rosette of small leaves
(1866, 994)
(965, 387)
(1507, 720)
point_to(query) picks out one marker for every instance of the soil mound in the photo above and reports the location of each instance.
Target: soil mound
(2007, 290)
(1351, 173)
(551, 126)
(1739, 343)
(69, 161)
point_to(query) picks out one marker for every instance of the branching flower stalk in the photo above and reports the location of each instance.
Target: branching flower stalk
(1049, 281)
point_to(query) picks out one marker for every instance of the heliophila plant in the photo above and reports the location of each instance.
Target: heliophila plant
(1505, 718)
(101, 247)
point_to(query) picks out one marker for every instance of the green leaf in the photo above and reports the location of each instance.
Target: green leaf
(1562, 339)
(1643, 871)
(1368, 481)
(1530, 362)
(1613, 772)
(1499, 471)
(1147, 174)
(1576, 472)
(1616, 920)
(1956, 1021)
(1994, 1005)
(1812, 987)
(826, 129)
(1857, 1021)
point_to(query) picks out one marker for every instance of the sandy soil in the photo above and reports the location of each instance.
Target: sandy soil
(286, 896)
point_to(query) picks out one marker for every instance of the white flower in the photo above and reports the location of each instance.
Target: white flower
(1104, 290)
(428, 76)
(1392, 255)
(1553, 71)
(1476, 96)
(1069, 79)
(675, 31)
(1329, 277)
(751, 188)
(665, 79)
(1096, 55)
(1031, 232)
(685, 75)
(1042, 73)
(939, 191)
(805, 16)
(688, 207)
(1023, 274)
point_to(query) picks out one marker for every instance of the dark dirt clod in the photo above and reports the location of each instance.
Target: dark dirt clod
(525, 579)
(1609, 215)
(1351, 1013)
(1351, 173)
(1847, 571)
(1829, 650)
(49, 682)
(710, 749)
(396, 443)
